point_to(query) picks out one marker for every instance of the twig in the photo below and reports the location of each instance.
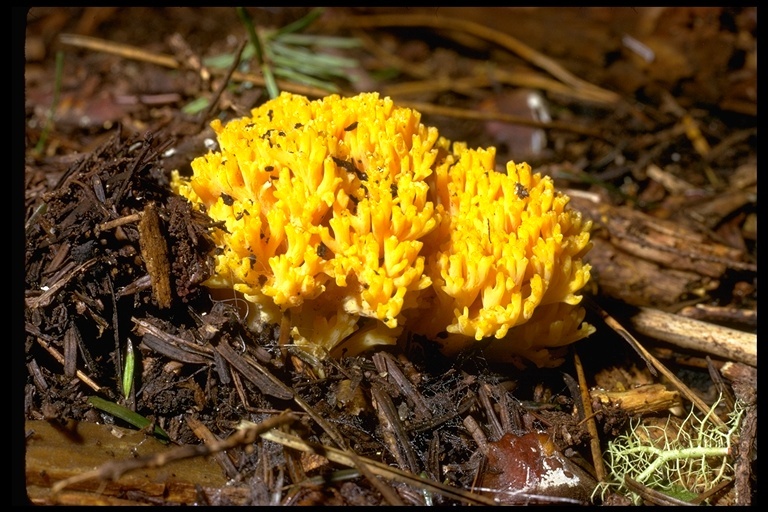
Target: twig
(46, 297)
(696, 335)
(270, 384)
(60, 358)
(127, 219)
(385, 363)
(392, 429)
(655, 364)
(168, 61)
(122, 50)
(484, 75)
(115, 469)
(204, 434)
(146, 155)
(460, 113)
(638, 400)
(494, 422)
(374, 467)
(265, 384)
(652, 495)
(227, 78)
(198, 354)
(482, 31)
(594, 438)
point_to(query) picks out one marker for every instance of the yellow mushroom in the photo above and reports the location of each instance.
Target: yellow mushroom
(364, 223)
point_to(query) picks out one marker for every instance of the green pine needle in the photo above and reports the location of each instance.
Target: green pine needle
(127, 415)
(288, 54)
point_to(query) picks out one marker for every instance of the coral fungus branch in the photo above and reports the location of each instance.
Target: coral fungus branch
(347, 209)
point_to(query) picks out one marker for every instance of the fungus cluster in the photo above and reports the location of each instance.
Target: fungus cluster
(361, 223)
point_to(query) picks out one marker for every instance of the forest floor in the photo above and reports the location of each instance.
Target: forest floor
(645, 117)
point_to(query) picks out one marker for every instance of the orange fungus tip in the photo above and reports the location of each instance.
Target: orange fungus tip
(346, 209)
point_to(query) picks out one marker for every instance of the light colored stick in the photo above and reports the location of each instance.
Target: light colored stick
(706, 337)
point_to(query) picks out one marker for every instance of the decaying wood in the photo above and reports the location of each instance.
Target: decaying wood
(656, 366)
(222, 458)
(646, 399)
(667, 243)
(114, 469)
(747, 455)
(643, 260)
(641, 282)
(724, 315)
(386, 365)
(494, 422)
(730, 344)
(255, 373)
(154, 251)
(173, 346)
(744, 381)
(711, 213)
(652, 496)
(70, 350)
(44, 299)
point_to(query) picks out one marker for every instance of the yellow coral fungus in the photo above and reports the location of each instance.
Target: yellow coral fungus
(343, 209)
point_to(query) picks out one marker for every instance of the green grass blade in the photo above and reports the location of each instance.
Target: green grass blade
(127, 415)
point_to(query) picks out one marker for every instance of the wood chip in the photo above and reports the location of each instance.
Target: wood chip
(154, 250)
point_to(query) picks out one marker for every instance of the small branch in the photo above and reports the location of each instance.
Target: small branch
(112, 224)
(60, 358)
(692, 334)
(227, 78)
(594, 438)
(115, 469)
(645, 399)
